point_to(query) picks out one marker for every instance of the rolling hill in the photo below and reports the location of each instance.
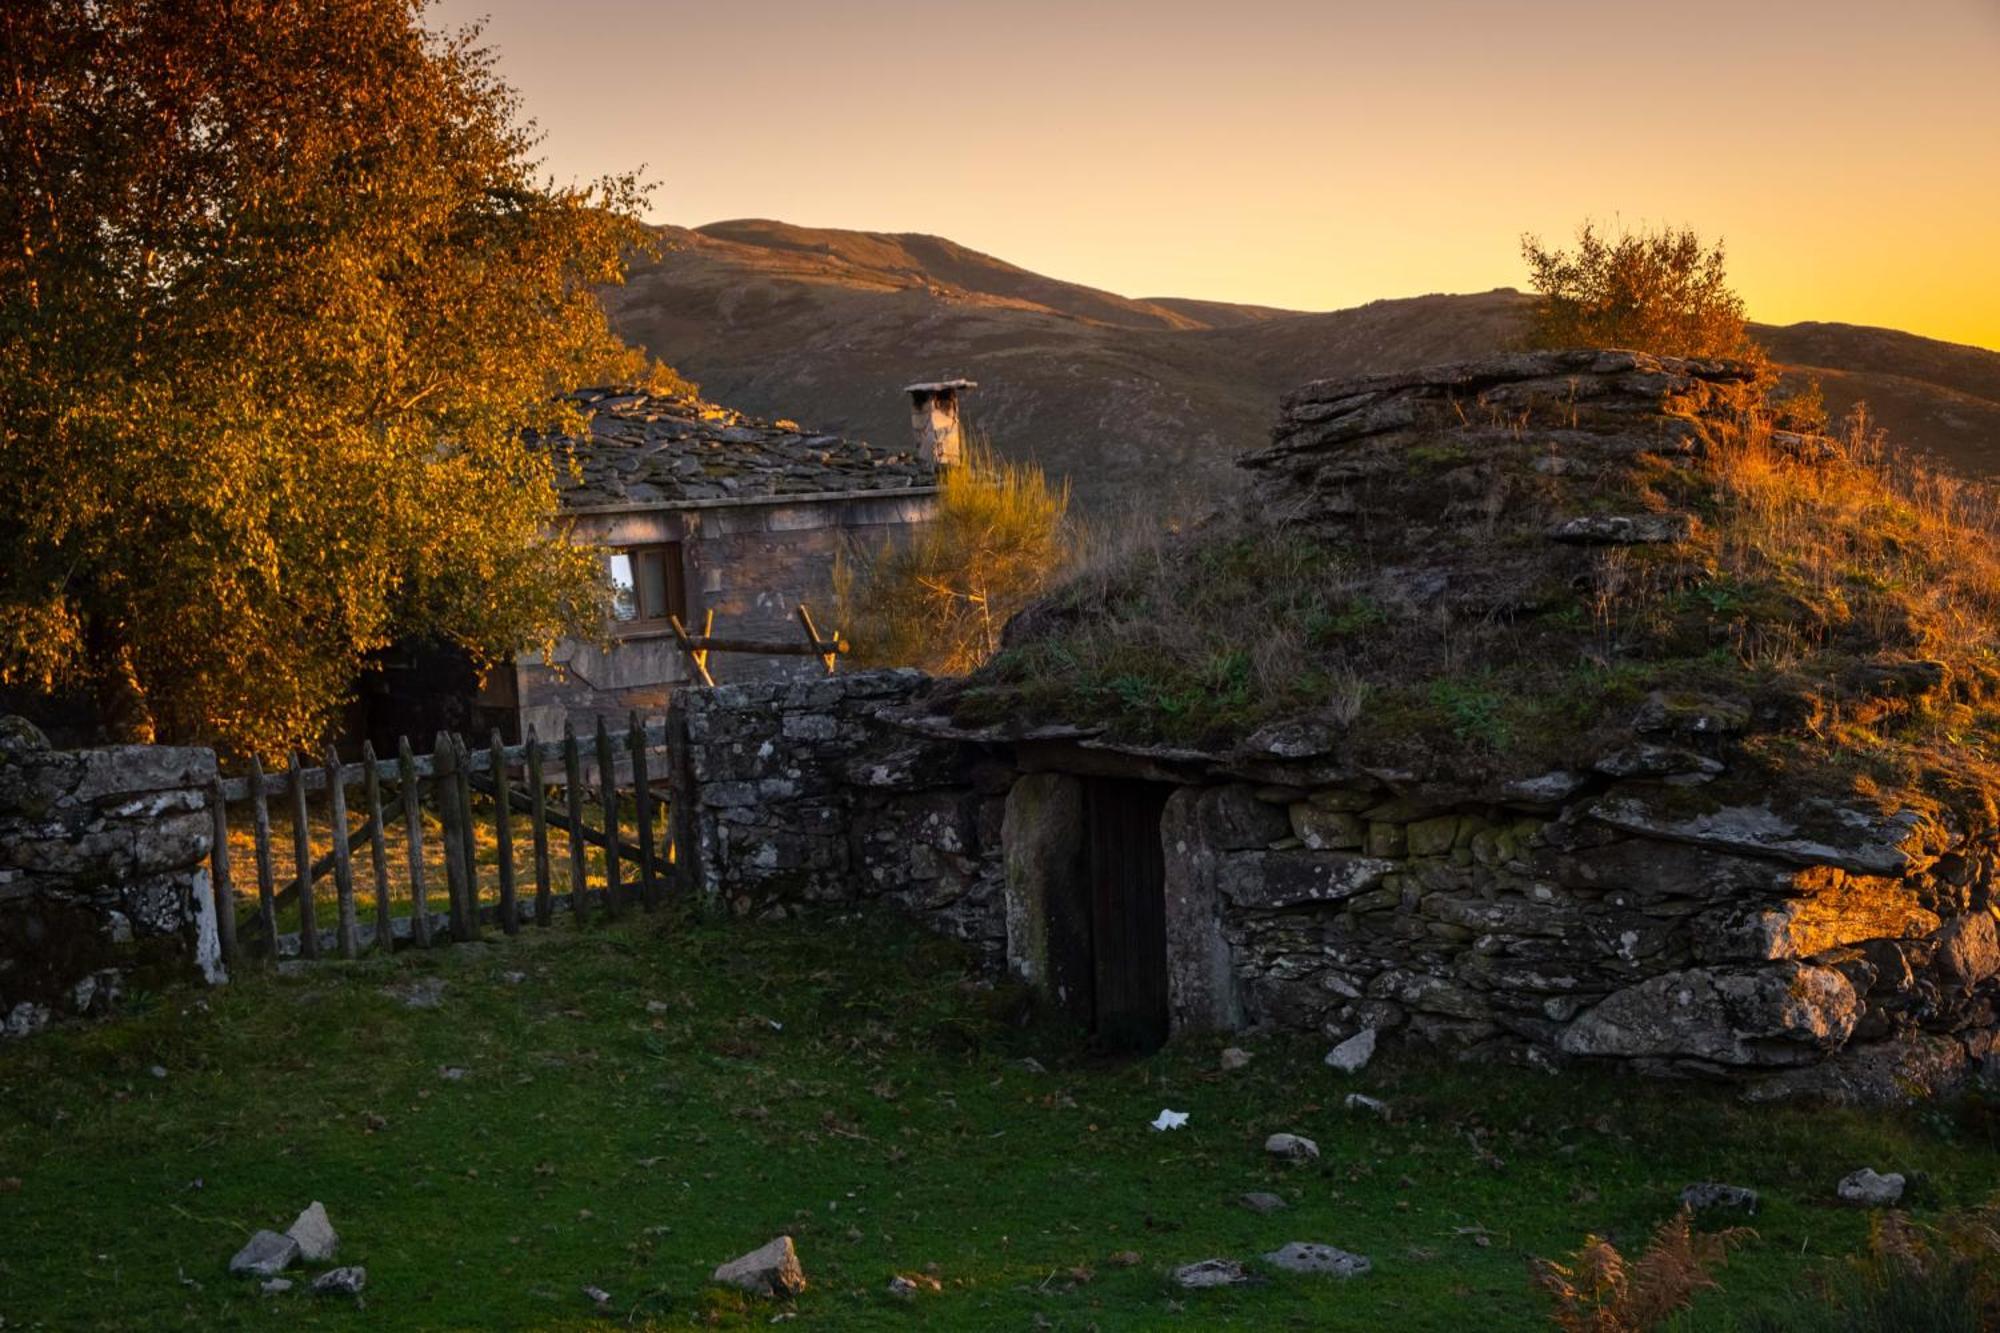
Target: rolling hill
(1140, 402)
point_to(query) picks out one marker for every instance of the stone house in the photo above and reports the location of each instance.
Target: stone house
(700, 510)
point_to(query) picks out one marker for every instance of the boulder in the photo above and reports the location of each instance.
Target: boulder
(1234, 1057)
(1262, 1201)
(1305, 1257)
(772, 1270)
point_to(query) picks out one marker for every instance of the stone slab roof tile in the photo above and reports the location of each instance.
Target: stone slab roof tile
(643, 449)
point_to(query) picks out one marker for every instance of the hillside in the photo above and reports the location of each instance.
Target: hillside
(1137, 401)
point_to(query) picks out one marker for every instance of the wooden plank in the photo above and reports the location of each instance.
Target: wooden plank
(627, 849)
(302, 855)
(347, 929)
(413, 837)
(378, 849)
(218, 857)
(239, 788)
(579, 877)
(503, 835)
(607, 789)
(267, 905)
(538, 827)
(444, 781)
(469, 834)
(642, 801)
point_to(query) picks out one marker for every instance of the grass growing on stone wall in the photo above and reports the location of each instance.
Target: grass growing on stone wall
(1822, 587)
(639, 1103)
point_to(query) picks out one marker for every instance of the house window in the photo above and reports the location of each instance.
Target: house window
(646, 586)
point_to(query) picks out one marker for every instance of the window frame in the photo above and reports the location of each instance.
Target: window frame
(673, 575)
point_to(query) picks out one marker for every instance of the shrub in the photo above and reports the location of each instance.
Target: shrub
(1600, 1291)
(1666, 292)
(938, 598)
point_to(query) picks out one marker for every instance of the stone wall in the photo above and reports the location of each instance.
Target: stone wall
(794, 794)
(1647, 911)
(103, 873)
(751, 564)
(1796, 944)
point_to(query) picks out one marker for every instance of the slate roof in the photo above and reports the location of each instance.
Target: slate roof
(645, 449)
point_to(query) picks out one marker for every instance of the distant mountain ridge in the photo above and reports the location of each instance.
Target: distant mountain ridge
(1137, 401)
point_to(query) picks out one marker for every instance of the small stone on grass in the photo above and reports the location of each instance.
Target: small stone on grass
(1869, 1190)
(1305, 1257)
(267, 1254)
(1353, 1055)
(772, 1270)
(1292, 1147)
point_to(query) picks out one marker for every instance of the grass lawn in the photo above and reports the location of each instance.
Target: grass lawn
(640, 1102)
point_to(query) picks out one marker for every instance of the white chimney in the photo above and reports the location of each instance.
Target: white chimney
(934, 419)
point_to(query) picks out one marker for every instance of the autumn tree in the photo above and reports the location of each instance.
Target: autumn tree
(280, 285)
(939, 597)
(1666, 292)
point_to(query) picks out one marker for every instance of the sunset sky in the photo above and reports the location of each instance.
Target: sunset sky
(1312, 153)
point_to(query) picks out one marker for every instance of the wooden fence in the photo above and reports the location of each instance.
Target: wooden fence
(557, 779)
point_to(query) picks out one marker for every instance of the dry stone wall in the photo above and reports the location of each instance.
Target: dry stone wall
(103, 874)
(794, 794)
(1648, 911)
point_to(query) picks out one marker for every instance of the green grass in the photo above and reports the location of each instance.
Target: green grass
(651, 1099)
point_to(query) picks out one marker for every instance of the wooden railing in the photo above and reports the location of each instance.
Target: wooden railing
(393, 791)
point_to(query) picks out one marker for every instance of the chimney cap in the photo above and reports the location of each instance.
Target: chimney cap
(940, 386)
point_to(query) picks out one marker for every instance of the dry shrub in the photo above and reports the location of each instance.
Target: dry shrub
(938, 598)
(1600, 1291)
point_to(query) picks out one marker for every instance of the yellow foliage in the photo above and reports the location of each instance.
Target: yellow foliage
(1665, 292)
(939, 597)
(280, 287)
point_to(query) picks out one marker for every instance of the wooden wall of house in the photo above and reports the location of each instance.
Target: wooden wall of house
(751, 564)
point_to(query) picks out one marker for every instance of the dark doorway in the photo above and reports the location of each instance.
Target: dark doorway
(1125, 868)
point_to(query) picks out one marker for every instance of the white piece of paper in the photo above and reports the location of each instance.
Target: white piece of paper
(1171, 1119)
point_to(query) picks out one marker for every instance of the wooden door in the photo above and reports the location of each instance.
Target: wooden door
(1126, 869)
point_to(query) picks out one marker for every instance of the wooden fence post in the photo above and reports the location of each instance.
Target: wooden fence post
(444, 774)
(469, 834)
(413, 831)
(503, 833)
(579, 866)
(538, 824)
(378, 849)
(267, 897)
(607, 791)
(642, 802)
(225, 893)
(348, 929)
(302, 853)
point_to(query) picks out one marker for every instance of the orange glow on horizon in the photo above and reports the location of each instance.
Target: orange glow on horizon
(1312, 154)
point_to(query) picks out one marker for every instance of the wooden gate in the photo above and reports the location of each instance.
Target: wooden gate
(450, 789)
(1126, 869)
